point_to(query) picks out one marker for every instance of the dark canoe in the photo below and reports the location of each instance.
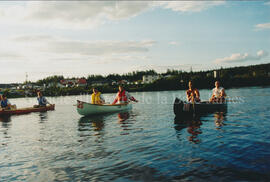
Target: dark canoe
(181, 108)
(26, 110)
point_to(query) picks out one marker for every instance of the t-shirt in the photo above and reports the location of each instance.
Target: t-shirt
(217, 91)
(5, 103)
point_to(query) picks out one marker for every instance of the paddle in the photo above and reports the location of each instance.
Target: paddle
(193, 104)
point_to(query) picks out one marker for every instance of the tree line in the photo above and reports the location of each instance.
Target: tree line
(244, 76)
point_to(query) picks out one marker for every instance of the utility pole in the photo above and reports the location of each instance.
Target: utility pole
(26, 78)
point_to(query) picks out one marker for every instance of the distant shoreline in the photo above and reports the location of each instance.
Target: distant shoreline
(145, 81)
(268, 86)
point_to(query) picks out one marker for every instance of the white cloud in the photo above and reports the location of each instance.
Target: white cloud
(188, 6)
(9, 55)
(262, 26)
(49, 48)
(174, 43)
(95, 48)
(48, 54)
(88, 14)
(238, 57)
(72, 14)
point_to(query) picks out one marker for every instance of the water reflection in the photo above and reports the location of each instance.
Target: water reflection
(220, 117)
(92, 136)
(123, 117)
(124, 122)
(95, 123)
(43, 116)
(5, 120)
(193, 128)
(5, 124)
(193, 125)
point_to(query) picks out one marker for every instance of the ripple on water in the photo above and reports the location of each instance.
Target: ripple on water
(145, 144)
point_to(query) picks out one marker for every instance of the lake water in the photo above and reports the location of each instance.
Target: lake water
(144, 144)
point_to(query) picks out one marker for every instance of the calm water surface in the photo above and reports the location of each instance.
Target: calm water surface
(145, 144)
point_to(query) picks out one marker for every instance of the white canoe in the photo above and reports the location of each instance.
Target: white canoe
(86, 109)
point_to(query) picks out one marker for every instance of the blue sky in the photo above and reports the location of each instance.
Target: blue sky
(81, 38)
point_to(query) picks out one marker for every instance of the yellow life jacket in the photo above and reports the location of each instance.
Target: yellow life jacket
(95, 98)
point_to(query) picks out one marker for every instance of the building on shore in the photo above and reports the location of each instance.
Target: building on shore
(216, 74)
(99, 83)
(150, 78)
(82, 82)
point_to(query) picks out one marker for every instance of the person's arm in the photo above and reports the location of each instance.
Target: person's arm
(130, 97)
(223, 94)
(188, 96)
(102, 100)
(116, 99)
(212, 96)
(197, 94)
(46, 101)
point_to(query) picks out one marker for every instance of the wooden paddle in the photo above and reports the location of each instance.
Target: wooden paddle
(193, 105)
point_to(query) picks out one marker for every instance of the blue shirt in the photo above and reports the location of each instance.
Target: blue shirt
(42, 101)
(4, 103)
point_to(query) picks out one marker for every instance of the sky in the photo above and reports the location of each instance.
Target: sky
(80, 38)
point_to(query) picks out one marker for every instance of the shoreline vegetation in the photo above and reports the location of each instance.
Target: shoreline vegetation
(244, 76)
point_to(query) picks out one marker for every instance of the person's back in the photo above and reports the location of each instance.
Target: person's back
(42, 101)
(5, 104)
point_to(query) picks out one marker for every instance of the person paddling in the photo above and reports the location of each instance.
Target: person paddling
(42, 101)
(123, 96)
(5, 104)
(193, 94)
(96, 97)
(218, 94)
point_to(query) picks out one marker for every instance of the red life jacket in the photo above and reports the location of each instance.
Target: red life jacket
(122, 96)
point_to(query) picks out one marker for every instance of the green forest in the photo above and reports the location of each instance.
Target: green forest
(245, 76)
(257, 75)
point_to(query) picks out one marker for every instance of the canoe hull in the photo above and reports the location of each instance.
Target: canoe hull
(87, 109)
(187, 109)
(27, 110)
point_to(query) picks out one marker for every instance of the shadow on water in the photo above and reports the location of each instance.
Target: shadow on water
(5, 124)
(229, 173)
(5, 120)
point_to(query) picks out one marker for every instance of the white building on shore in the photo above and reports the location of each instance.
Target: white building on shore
(150, 78)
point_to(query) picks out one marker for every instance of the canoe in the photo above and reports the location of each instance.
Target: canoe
(86, 109)
(182, 108)
(26, 110)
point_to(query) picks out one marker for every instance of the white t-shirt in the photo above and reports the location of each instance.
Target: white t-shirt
(102, 98)
(217, 91)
